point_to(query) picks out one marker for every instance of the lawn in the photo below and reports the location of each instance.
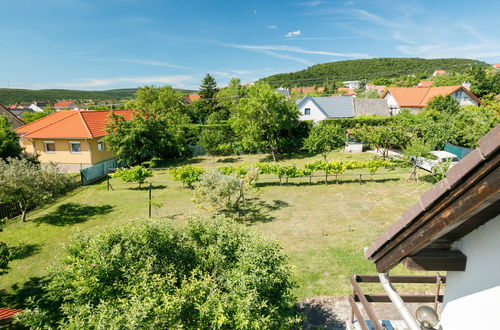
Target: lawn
(322, 228)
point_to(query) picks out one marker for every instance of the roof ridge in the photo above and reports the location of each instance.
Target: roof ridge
(52, 123)
(85, 123)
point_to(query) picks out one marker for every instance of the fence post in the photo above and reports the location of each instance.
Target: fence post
(107, 181)
(150, 189)
(360, 179)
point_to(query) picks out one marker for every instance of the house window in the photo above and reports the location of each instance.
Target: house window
(50, 146)
(100, 145)
(74, 147)
(307, 111)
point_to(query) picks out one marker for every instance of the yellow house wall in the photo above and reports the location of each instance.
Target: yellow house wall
(88, 151)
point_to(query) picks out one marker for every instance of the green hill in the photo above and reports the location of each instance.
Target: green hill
(368, 69)
(11, 95)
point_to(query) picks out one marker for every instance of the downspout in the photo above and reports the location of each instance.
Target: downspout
(398, 302)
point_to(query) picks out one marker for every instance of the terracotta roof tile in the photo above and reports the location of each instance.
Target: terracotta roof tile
(7, 313)
(412, 97)
(63, 104)
(70, 124)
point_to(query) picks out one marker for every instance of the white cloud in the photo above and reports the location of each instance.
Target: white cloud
(293, 34)
(349, 3)
(313, 3)
(293, 49)
(255, 11)
(272, 27)
(438, 50)
(154, 63)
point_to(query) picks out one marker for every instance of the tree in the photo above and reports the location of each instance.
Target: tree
(9, 142)
(221, 192)
(208, 88)
(325, 138)
(211, 139)
(137, 174)
(444, 103)
(262, 118)
(154, 275)
(29, 185)
(383, 137)
(4, 252)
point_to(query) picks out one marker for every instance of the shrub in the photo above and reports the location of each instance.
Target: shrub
(188, 175)
(137, 174)
(152, 275)
(30, 185)
(220, 191)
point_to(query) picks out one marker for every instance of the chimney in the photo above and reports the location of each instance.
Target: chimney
(466, 85)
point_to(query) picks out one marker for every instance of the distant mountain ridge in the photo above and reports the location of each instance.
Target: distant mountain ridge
(14, 95)
(368, 69)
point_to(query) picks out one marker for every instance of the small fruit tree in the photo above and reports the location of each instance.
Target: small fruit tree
(137, 174)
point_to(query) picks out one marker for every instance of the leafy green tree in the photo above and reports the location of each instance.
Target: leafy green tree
(154, 275)
(261, 118)
(188, 175)
(325, 138)
(9, 142)
(383, 138)
(444, 103)
(140, 139)
(137, 174)
(227, 99)
(4, 252)
(211, 139)
(30, 185)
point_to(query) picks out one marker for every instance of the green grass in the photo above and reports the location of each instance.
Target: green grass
(322, 228)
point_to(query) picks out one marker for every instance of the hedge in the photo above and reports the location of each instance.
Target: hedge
(348, 123)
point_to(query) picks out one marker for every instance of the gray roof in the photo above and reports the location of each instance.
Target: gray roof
(335, 107)
(376, 107)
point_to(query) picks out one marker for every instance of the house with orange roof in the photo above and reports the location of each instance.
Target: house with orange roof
(65, 105)
(416, 99)
(71, 139)
(192, 97)
(346, 91)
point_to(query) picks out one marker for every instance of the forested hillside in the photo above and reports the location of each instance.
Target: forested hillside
(10, 95)
(368, 69)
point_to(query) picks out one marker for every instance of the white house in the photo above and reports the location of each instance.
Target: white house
(416, 98)
(454, 227)
(319, 108)
(353, 84)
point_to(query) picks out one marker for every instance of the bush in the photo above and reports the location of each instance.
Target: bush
(30, 185)
(188, 175)
(137, 174)
(348, 123)
(152, 275)
(221, 192)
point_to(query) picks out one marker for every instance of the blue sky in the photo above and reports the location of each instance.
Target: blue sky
(104, 44)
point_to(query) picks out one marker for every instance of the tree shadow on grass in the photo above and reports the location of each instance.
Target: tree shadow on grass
(19, 295)
(23, 250)
(146, 187)
(290, 156)
(229, 160)
(257, 210)
(72, 213)
(319, 181)
(178, 162)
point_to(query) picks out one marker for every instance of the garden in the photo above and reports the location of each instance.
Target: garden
(322, 228)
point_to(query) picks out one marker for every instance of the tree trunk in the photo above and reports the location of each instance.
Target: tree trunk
(274, 152)
(326, 178)
(23, 213)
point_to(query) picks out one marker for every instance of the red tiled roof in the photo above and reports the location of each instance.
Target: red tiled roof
(7, 313)
(63, 104)
(71, 124)
(496, 65)
(418, 97)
